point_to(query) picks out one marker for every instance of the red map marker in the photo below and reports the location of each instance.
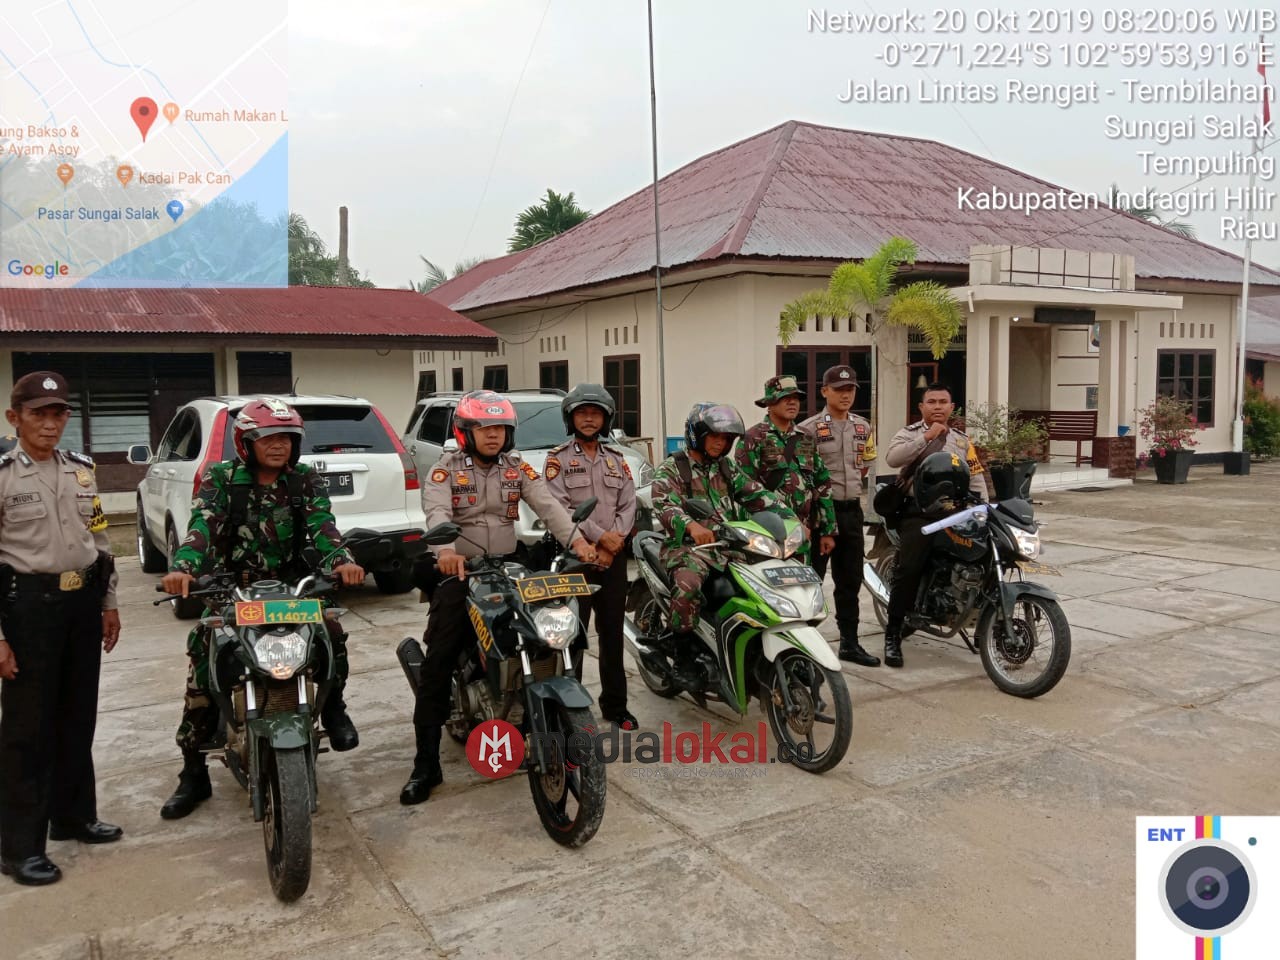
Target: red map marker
(144, 112)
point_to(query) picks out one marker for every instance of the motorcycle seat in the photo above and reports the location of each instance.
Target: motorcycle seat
(650, 544)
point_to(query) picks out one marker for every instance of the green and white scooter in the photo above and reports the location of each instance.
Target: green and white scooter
(757, 635)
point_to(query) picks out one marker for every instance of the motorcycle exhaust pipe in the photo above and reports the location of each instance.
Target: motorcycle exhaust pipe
(878, 588)
(631, 638)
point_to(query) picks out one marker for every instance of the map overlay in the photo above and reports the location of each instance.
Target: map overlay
(144, 150)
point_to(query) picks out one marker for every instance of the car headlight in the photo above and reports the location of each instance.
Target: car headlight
(777, 601)
(759, 543)
(1028, 543)
(280, 654)
(556, 626)
(793, 542)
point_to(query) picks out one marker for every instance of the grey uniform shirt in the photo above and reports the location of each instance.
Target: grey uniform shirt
(845, 447)
(573, 475)
(909, 442)
(485, 501)
(51, 518)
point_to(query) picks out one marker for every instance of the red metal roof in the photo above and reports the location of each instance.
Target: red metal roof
(456, 288)
(289, 311)
(801, 191)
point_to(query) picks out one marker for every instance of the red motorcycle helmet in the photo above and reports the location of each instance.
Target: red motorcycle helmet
(483, 408)
(265, 417)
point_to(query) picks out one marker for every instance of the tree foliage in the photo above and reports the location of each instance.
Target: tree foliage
(554, 215)
(309, 262)
(437, 275)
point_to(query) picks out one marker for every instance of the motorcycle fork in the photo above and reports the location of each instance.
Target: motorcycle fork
(535, 717)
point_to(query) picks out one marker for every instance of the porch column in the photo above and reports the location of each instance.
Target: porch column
(999, 359)
(1128, 367)
(1110, 368)
(977, 362)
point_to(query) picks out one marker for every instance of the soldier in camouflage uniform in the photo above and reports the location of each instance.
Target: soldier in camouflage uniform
(703, 470)
(243, 521)
(786, 462)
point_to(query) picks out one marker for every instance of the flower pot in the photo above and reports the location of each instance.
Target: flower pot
(1173, 466)
(1235, 464)
(1011, 480)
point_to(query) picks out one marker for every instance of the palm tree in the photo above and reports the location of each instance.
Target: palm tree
(555, 214)
(1180, 227)
(860, 286)
(436, 275)
(309, 262)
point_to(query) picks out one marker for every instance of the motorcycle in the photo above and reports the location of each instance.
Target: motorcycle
(757, 635)
(521, 670)
(974, 582)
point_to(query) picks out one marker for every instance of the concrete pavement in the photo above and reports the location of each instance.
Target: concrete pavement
(963, 822)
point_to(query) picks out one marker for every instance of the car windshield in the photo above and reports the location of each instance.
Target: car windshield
(539, 424)
(335, 428)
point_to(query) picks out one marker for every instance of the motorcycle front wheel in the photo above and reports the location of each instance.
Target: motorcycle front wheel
(815, 735)
(1030, 661)
(286, 828)
(884, 570)
(569, 797)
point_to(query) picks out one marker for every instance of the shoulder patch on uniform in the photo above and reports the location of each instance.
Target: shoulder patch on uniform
(439, 475)
(80, 458)
(5, 460)
(529, 472)
(551, 469)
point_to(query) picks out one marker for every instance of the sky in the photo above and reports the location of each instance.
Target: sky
(436, 123)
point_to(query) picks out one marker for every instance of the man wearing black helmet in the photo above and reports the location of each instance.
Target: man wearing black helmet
(704, 469)
(584, 467)
(909, 447)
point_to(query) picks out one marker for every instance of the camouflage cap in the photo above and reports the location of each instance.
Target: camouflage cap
(778, 388)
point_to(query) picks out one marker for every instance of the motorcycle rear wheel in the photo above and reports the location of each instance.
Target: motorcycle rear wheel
(569, 798)
(805, 682)
(884, 570)
(649, 621)
(286, 828)
(1005, 659)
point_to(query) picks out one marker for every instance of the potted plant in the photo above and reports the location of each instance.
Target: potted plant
(1168, 428)
(1007, 446)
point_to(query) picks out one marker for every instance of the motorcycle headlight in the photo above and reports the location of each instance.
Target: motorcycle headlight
(795, 539)
(818, 602)
(556, 626)
(280, 654)
(777, 601)
(759, 543)
(1028, 543)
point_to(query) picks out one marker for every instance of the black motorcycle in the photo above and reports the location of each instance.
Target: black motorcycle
(521, 670)
(974, 582)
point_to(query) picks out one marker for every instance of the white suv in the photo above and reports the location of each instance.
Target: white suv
(372, 481)
(539, 428)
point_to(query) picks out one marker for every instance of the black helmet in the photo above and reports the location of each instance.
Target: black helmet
(588, 395)
(941, 482)
(708, 418)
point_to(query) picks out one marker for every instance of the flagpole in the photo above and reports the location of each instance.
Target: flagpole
(657, 246)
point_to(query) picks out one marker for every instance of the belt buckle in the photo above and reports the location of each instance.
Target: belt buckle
(70, 580)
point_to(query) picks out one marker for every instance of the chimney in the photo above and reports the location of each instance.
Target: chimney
(344, 274)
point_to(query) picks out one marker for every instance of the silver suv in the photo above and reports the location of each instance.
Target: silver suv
(373, 482)
(539, 428)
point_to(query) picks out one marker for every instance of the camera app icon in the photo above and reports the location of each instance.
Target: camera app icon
(1208, 887)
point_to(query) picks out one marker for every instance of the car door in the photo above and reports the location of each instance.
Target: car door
(182, 460)
(433, 429)
(161, 470)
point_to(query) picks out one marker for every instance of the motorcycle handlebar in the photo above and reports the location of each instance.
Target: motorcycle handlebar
(956, 518)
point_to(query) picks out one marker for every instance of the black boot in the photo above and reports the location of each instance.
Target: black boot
(686, 673)
(851, 652)
(193, 787)
(342, 732)
(426, 768)
(892, 646)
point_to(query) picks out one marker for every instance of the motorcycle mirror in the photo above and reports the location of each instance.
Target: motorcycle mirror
(584, 509)
(699, 509)
(441, 534)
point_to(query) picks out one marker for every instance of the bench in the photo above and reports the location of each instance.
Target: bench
(1067, 425)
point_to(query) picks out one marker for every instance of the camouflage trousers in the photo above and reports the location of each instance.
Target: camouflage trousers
(199, 712)
(688, 571)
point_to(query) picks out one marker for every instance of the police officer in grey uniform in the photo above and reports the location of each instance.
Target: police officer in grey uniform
(906, 447)
(57, 615)
(584, 467)
(844, 441)
(479, 487)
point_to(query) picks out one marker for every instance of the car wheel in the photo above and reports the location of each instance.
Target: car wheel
(184, 608)
(152, 560)
(394, 581)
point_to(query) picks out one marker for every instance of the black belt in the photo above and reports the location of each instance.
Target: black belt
(847, 503)
(69, 582)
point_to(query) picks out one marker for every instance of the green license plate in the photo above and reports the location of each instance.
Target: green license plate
(552, 585)
(1030, 566)
(273, 612)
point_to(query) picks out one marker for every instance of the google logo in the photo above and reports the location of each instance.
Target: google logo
(47, 270)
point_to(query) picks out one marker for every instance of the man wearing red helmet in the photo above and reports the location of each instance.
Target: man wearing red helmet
(253, 516)
(479, 487)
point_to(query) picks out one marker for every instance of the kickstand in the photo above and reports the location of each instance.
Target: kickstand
(964, 635)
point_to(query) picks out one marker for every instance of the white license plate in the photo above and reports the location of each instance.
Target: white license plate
(340, 484)
(790, 576)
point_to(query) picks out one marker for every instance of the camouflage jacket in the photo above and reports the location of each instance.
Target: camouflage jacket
(734, 499)
(803, 483)
(264, 543)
